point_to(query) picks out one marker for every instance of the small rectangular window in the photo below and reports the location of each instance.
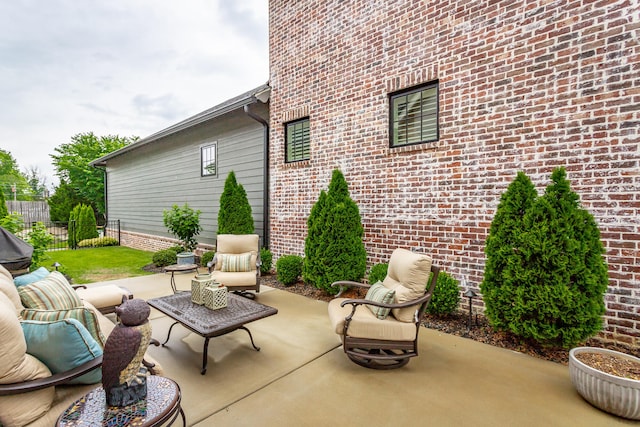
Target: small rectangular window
(297, 140)
(209, 160)
(414, 115)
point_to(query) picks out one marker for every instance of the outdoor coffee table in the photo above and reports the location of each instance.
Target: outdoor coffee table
(211, 323)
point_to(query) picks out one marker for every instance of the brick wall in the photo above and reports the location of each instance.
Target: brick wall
(523, 86)
(148, 242)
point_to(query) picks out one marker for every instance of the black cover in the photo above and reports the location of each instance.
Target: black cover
(15, 254)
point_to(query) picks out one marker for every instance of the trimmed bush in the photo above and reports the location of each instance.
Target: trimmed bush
(446, 295)
(334, 242)
(266, 258)
(206, 257)
(177, 249)
(39, 238)
(98, 242)
(164, 257)
(289, 269)
(184, 223)
(72, 231)
(86, 225)
(234, 216)
(548, 276)
(378, 273)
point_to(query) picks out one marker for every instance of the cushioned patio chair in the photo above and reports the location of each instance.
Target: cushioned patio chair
(381, 330)
(237, 263)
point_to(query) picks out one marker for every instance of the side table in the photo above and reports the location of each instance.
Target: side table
(179, 268)
(161, 405)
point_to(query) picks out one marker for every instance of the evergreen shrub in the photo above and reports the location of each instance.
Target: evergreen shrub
(3, 206)
(72, 233)
(266, 259)
(446, 295)
(206, 258)
(86, 224)
(234, 216)
(289, 269)
(545, 275)
(377, 273)
(164, 257)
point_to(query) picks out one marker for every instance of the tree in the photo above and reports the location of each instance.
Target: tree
(234, 216)
(72, 164)
(72, 233)
(184, 223)
(12, 179)
(312, 263)
(335, 244)
(502, 248)
(556, 276)
(3, 206)
(37, 182)
(63, 201)
(86, 227)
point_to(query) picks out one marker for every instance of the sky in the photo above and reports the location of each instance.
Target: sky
(127, 68)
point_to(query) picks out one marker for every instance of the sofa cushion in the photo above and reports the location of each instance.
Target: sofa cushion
(50, 293)
(34, 276)
(408, 275)
(236, 263)
(378, 293)
(63, 345)
(84, 315)
(9, 290)
(18, 366)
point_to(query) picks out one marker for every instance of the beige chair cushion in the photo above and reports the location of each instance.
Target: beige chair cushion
(231, 280)
(8, 288)
(103, 296)
(17, 366)
(408, 274)
(237, 244)
(365, 324)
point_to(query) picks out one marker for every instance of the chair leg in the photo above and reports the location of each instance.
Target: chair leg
(245, 294)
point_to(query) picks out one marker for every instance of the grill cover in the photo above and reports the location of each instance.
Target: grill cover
(15, 253)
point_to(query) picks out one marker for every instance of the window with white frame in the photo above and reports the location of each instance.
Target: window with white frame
(414, 115)
(209, 159)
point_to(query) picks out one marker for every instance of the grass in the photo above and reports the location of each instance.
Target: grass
(97, 264)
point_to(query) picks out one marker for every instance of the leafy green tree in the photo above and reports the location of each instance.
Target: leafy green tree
(63, 200)
(72, 164)
(3, 206)
(37, 182)
(12, 178)
(503, 247)
(234, 216)
(184, 223)
(338, 239)
(39, 238)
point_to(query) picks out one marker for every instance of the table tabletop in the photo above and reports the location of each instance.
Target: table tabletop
(207, 322)
(162, 402)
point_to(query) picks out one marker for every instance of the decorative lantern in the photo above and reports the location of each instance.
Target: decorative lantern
(215, 296)
(198, 283)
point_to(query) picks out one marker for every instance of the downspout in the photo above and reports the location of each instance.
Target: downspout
(265, 160)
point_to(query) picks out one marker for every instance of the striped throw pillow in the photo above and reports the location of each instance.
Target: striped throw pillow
(378, 293)
(82, 314)
(236, 263)
(51, 293)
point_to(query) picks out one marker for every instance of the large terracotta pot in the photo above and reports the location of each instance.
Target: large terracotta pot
(613, 394)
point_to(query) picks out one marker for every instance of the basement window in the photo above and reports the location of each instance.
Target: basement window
(414, 115)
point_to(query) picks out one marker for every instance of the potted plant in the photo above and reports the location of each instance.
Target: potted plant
(184, 223)
(608, 379)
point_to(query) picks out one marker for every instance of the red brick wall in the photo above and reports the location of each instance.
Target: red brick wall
(148, 242)
(523, 86)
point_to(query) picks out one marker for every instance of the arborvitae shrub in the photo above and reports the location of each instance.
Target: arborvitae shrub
(86, 224)
(234, 216)
(164, 257)
(446, 295)
(312, 263)
(558, 276)
(266, 259)
(502, 248)
(289, 269)
(378, 273)
(206, 258)
(335, 243)
(72, 229)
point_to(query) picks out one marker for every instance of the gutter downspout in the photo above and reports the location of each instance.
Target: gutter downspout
(265, 160)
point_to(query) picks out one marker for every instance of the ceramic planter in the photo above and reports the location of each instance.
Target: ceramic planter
(613, 394)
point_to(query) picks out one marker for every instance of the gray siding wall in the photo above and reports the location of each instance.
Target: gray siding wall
(144, 182)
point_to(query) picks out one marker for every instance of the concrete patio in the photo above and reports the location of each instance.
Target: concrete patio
(301, 377)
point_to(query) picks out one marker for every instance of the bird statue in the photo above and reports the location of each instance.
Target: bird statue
(124, 378)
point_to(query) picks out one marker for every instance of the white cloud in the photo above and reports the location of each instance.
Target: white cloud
(120, 67)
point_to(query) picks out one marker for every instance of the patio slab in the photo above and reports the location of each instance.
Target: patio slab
(301, 377)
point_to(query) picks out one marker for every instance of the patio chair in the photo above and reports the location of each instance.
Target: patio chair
(381, 330)
(237, 263)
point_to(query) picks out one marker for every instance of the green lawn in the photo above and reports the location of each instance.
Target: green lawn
(99, 264)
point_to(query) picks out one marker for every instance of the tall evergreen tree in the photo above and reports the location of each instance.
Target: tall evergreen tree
(87, 228)
(234, 216)
(502, 248)
(72, 229)
(335, 236)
